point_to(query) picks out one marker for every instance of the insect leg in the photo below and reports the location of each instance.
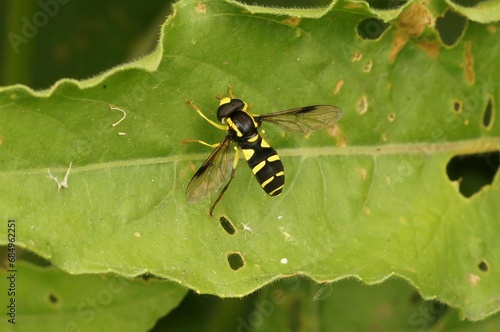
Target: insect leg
(230, 91)
(213, 146)
(215, 124)
(246, 108)
(235, 163)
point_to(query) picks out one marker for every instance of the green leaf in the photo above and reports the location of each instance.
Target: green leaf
(485, 11)
(370, 197)
(342, 306)
(361, 7)
(85, 302)
(48, 39)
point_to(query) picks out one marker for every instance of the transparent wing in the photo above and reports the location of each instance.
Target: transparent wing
(304, 119)
(212, 174)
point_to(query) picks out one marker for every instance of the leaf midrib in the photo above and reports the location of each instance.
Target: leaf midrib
(480, 145)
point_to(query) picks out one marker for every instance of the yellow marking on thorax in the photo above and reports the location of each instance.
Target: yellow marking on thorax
(251, 116)
(281, 173)
(224, 100)
(245, 109)
(233, 127)
(253, 139)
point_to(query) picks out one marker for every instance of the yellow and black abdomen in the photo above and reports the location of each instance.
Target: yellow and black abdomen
(261, 157)
(265, 164)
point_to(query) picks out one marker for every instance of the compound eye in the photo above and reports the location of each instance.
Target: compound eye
(224, 111)
(238, 104)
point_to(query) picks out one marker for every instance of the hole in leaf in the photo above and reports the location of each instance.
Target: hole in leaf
(457, 106)
(227, 225)
(483, 266)
(235, 261)
(488, 113)
(384, 4)
(371, 28)
(451, 27)
(53, 298)
(473, 171)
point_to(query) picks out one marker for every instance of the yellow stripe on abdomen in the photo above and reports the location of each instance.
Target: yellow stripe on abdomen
(258, 167)
(273, 158)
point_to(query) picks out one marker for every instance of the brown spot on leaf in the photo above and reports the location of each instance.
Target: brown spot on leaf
(201, 8)
(292, 21)
(341, 141)
(399, 42)
(473, 279)
(412, 23)
(353, 6)
(362, 105)
(338, 86)
(368, 66)
(470, 74)
(415, 19)
(335, 131)
(491, 28)
(363, 173)
(357, 56)
(430, 47)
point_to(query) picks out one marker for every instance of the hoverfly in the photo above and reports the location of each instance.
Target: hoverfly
(241, 127)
